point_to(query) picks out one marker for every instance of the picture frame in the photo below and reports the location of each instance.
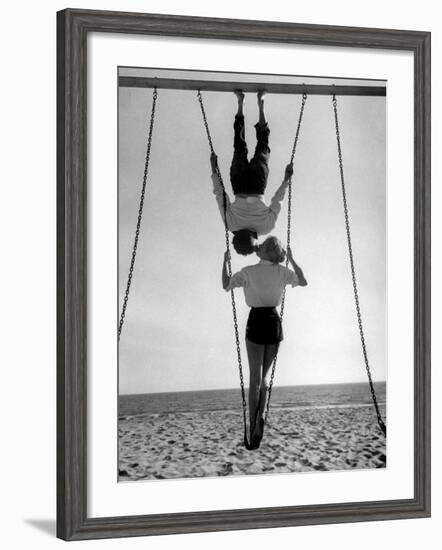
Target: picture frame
(73, 28)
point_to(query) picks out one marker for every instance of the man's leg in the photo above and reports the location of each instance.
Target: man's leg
(259, 169)
(240, 165)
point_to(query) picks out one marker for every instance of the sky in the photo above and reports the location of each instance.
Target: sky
(178, 332)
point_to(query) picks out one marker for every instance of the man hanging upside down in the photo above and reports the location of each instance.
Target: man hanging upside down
(248, 215)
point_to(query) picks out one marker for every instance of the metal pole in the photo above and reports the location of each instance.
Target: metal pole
(269, 87)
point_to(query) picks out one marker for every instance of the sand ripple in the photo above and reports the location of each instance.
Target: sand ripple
(179, 445)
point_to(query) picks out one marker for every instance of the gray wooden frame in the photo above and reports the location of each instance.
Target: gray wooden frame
(73, 27)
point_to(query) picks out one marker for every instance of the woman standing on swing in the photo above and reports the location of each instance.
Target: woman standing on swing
(264, 285)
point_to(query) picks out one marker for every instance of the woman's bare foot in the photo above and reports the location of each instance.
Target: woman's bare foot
(240, 96)
(257, 434)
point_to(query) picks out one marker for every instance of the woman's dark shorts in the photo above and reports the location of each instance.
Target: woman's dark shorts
(264, 326)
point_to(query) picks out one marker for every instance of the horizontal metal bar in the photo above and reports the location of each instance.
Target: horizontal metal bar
(269, 87)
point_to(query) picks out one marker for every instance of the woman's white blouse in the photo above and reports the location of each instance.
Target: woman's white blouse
(263, 283)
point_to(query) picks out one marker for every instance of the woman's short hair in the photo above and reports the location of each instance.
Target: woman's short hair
(274, 250)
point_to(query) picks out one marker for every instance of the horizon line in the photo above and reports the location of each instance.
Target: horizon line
(237, 388)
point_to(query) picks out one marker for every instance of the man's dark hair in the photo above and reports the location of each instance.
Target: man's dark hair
(244, 241)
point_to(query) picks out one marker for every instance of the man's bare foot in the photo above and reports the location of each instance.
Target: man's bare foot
(262, 118)
(240, 95)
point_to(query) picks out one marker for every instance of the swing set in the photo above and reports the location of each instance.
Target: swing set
(298, 89)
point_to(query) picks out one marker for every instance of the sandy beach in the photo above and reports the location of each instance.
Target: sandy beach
(206, 443)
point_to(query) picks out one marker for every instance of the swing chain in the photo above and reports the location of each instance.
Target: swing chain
(353, 271)
(206, 124)
(289, 198)
(289, 229)
(140, 215)
(218, 173)
(229, 263)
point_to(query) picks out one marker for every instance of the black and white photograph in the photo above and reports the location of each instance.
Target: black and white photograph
(252, 316)
(220, 226)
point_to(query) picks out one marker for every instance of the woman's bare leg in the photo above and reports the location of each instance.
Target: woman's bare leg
(255, 353)
(269, 356)
(270, 351)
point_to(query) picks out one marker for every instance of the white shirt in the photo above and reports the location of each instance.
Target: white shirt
(251, 212)
(263, 283)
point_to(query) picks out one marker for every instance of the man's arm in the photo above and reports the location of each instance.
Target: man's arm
(296, 268)
(278, 197)
(225, 276)
(217, 186)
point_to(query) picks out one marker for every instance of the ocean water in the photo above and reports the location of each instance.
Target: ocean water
(324, 395)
